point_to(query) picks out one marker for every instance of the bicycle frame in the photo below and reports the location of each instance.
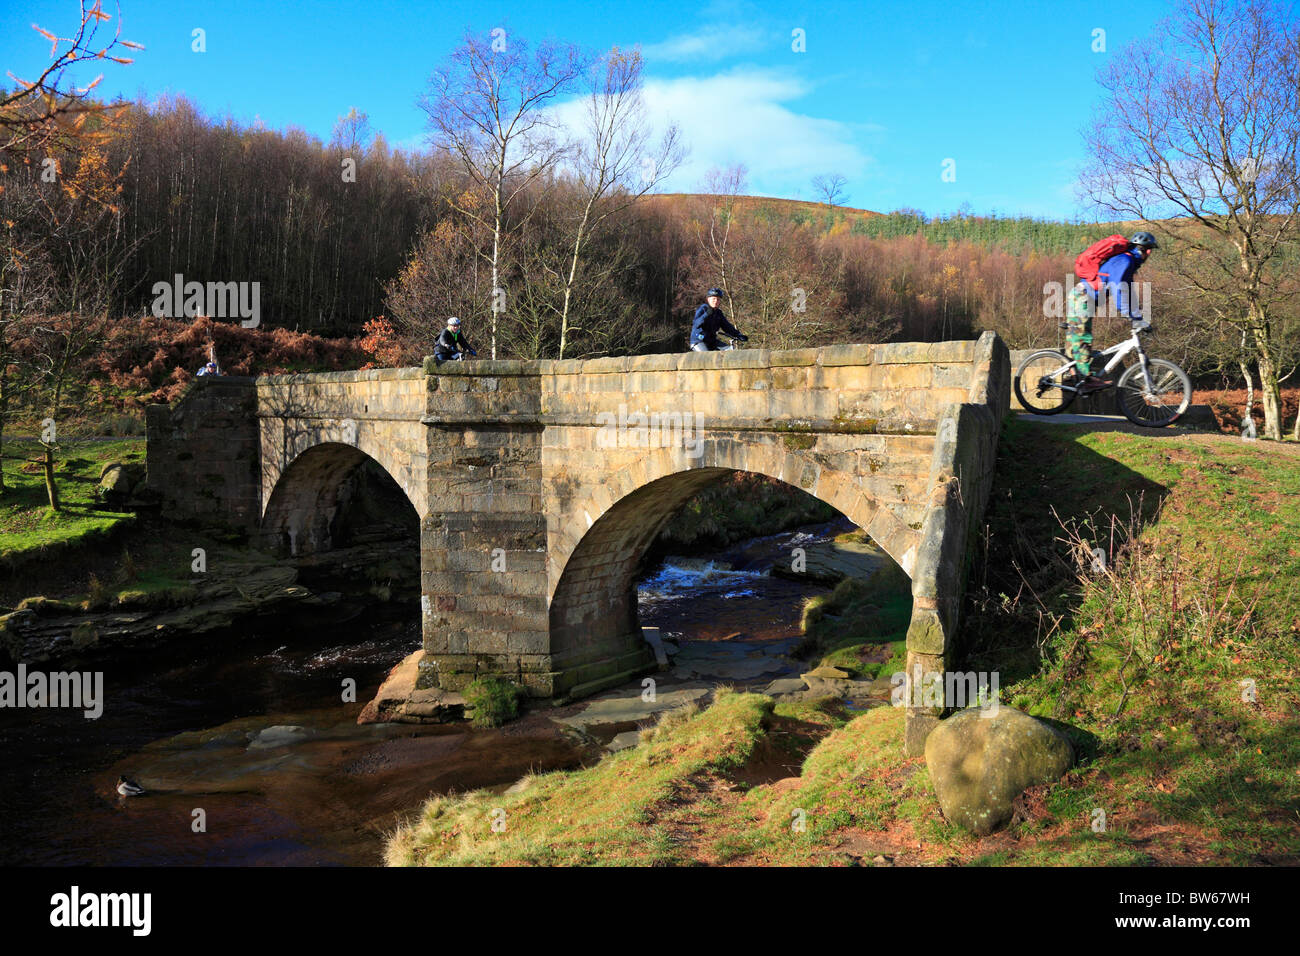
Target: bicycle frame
(732, 345)
(1117, 353)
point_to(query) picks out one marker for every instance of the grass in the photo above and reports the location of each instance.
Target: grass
(860, 626)
(28, 527)
(610, 813)
(1145, 659)
(1148, 652)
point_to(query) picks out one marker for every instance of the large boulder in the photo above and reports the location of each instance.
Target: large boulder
(117, 481)
(981, 760)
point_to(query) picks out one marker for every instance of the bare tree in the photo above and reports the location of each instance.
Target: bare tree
(1198, 137)
(829, 187)
(50, 111)
(615, 162)
(713, 227)
(487, 106)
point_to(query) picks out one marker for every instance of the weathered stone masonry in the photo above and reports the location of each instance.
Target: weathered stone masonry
(539, 488)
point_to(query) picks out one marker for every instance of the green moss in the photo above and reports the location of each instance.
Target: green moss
(857, 426)
(492, 701)
(158, 597)
(43, 605)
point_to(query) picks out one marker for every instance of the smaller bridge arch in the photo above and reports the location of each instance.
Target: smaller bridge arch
(309, 496)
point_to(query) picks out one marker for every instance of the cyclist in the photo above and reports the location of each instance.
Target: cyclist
(451, 344)
(708, 321)
(1115, 276)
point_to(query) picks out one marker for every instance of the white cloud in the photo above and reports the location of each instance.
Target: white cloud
(709, 43)
(742, 116)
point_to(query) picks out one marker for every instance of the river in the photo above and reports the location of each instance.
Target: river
(252, 756)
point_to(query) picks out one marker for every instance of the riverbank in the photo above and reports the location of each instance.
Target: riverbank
(93, 504)
(155, 583)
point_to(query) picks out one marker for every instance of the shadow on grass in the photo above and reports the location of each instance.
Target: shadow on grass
(1023, 584)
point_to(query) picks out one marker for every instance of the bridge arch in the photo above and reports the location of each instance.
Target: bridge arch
(598, 543)
(310, 493)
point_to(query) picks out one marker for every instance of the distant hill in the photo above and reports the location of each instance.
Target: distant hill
(1021, 234)
(798, 210)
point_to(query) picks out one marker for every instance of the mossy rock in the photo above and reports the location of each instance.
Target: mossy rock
(981, 759)
(117, 480)
(41, 605)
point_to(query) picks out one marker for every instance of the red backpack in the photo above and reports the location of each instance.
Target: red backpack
(1091, 259)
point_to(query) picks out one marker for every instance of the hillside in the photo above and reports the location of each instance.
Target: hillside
(1020, 233)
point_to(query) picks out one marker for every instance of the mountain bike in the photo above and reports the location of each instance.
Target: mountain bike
(1151, 392)
(731, 346)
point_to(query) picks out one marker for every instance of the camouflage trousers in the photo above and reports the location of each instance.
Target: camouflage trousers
(1078, 338)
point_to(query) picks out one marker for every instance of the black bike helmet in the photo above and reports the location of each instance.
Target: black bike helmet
(718, 292)
(1145, 240)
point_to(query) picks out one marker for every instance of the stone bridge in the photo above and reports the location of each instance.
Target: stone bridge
(540, 485)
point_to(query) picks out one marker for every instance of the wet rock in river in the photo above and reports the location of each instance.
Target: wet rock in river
(279, 735)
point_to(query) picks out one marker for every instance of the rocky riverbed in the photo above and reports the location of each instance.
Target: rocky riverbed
(239, 588)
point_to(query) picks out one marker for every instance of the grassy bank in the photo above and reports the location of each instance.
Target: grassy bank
(28, 529)
(1175, 656)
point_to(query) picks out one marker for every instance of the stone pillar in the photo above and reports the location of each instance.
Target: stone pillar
(483, 543)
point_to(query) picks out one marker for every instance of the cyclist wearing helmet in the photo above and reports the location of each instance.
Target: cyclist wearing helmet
(707, 323)
(1115, 277)
(451, 344)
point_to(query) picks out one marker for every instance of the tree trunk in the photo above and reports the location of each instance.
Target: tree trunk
(51, 489)
(1248, 413)
(1269, 390)
(573, 271)
(4, 418)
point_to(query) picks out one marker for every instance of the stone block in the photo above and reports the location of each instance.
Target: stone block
(832, 355)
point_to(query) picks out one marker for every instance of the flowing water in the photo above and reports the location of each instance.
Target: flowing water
(252, 756)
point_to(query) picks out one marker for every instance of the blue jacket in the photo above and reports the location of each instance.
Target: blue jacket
(1116, 276)
(707, 322)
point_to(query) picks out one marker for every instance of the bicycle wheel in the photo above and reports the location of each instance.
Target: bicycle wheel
(1164, 404)
(1038, 382)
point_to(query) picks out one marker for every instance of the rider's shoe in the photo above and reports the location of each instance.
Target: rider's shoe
(1093, 384)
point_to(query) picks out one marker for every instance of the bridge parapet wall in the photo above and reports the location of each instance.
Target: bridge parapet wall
(873, 388)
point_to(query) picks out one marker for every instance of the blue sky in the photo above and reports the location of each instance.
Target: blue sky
(884, 93)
